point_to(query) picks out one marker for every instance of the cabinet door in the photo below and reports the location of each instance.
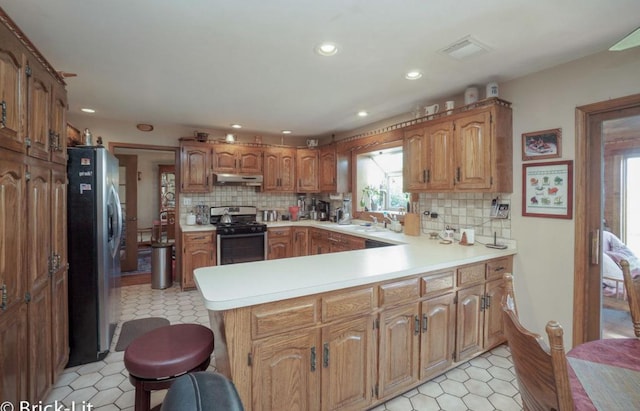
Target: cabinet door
(327, 169)
(439, 156)
(438, 335)
(347, 365)
(493, 327)
(398, 354)
(195, 164)
(414, 160)
(279, 247)
(249, 160)
(39, 342)
(59, 308)
(473, 150)
(271, 170)
(39, 111)
(224, 159)
(307, 170)
(58, 124)
(198, 251)
(13, 356)
(287, 170)
(39, 225)
(12, 230)
(12, 92)
(286, 372)
(300, 239)
(470, 316)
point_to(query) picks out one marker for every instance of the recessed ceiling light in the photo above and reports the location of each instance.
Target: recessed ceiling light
(88, 110)
(326, 49)
(236, 126)
(362, 113)
(413, 75)
(286, 131)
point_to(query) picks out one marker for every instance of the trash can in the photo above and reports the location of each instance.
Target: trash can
(161, 265)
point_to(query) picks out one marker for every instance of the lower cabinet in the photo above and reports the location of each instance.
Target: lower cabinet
(354, 348)
(330, 368)
(300, 241)
(13, 356)
(198, 250)
(279, 243)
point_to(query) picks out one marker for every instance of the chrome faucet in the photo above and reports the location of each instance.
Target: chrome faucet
(375, 220)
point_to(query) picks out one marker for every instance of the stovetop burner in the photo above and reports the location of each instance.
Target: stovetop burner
(243, 220)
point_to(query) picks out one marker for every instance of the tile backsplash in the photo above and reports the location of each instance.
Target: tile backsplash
(457, 210)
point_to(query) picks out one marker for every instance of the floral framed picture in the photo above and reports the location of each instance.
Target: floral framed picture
(547, 189)
(543, 144)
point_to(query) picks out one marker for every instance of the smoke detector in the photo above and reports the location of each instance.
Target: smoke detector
(464, 48)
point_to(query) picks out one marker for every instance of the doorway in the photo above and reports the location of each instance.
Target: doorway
(155, 190)
(590, 138)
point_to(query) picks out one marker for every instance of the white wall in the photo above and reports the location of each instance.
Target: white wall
(544, 264)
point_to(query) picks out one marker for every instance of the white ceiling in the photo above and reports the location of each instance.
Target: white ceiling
(211, 63)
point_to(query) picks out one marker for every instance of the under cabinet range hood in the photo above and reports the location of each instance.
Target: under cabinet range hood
(238, 179)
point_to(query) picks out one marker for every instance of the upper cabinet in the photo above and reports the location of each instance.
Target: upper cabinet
(327, 172)
(307, 170)
(279, 170)
(195, 167)
(12, 91)
(469, 151)
(229, 158)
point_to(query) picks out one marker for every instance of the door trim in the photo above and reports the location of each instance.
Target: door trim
(582, 329)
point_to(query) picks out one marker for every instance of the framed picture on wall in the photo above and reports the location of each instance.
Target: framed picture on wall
(543, 144)
(547, 189)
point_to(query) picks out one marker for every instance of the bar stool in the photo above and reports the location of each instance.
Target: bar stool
(155, 359)
(202, 391)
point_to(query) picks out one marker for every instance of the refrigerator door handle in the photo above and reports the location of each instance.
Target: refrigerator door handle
(115, 221)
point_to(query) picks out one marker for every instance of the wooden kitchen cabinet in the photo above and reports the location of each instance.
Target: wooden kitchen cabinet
(33, 211)
(327, 169)
(399, 350)
(279, 243)
(286, 372)
(307, 170)
(235, 159)
(471, 150)
(195, 167)
(12, 91)
(437, 341)
(198, 250)
(479, 317)
(319, 241)
(279, 170)
(300, 241)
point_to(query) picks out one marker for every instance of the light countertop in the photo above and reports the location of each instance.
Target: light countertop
(239, 285)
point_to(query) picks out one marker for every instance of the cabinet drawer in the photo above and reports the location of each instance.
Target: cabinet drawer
(470, 274)
(281, 316)
(439, 283)
(198, 238)
(399, 292)
(345, 304)
(279, 232)
(497, 268)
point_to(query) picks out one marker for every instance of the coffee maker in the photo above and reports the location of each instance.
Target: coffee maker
(323, 210)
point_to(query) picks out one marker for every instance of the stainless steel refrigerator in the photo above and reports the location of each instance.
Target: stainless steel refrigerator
(94, 221)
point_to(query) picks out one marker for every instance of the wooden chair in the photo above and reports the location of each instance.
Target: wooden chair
(541, 370)
(633, 295)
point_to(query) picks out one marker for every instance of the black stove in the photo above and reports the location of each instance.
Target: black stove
(243, 220)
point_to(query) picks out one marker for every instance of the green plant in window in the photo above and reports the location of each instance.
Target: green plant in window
(370, 199)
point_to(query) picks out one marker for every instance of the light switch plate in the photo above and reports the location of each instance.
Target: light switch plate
(186, 201)
(502, 211)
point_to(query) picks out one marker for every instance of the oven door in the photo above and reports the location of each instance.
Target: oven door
(241, 248)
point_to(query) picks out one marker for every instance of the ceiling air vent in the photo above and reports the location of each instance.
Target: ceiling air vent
(465, 48)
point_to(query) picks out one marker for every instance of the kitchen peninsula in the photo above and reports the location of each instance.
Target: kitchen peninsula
(352, 329)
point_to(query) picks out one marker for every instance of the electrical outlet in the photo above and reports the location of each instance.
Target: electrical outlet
(186, 201)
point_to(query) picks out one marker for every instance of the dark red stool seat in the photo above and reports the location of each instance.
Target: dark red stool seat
(156, 358)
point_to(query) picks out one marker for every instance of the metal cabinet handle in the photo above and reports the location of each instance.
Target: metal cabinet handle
(458, 173)
(416, 330)
(3, 304)
(425, 324)
(499, 268)
(3, 120)
(482, 303)
(325, 355)
(487, 301)
(313, 358)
